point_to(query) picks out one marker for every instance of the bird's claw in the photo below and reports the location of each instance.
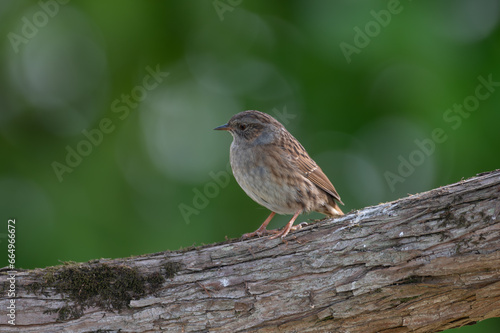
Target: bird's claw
(259, 233)
(299, 226)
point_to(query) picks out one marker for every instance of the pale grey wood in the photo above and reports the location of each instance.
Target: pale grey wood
(424, 263)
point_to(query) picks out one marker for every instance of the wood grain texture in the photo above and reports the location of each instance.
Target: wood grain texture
(423, 263)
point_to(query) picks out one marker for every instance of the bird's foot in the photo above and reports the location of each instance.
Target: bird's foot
(259, 232)
(288, 227)
(282, 233)
(299, 226)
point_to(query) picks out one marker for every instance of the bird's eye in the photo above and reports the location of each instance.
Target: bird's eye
(242, 127)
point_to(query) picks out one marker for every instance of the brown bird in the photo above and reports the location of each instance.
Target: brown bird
(273, 168)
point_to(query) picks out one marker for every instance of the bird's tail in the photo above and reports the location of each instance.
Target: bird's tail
(337, 209)
(332, 209)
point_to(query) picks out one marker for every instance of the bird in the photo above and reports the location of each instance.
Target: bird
(274, 170)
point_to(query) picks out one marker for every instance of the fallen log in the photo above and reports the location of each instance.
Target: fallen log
(424, 263)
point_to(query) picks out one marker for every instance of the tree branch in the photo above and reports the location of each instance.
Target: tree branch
(424, 263)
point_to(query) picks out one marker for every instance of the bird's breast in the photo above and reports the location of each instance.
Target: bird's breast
(263, 178)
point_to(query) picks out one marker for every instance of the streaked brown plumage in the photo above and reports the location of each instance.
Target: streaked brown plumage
(273, 168)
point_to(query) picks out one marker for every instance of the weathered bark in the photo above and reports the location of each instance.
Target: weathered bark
(424, 263)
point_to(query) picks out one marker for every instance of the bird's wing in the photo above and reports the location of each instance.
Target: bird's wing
(310, 169)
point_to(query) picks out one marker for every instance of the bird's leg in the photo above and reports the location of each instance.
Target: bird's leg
(262, 229)
(288, 227)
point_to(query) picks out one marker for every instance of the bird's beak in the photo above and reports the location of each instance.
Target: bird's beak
(224, 127)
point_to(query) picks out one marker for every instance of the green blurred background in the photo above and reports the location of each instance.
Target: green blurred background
(357, 82)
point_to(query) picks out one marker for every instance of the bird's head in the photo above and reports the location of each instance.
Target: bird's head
(252, 127)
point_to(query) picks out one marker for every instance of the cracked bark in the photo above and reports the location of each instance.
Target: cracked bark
(423, 263)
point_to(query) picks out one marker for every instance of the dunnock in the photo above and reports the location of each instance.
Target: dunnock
(274, 170)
